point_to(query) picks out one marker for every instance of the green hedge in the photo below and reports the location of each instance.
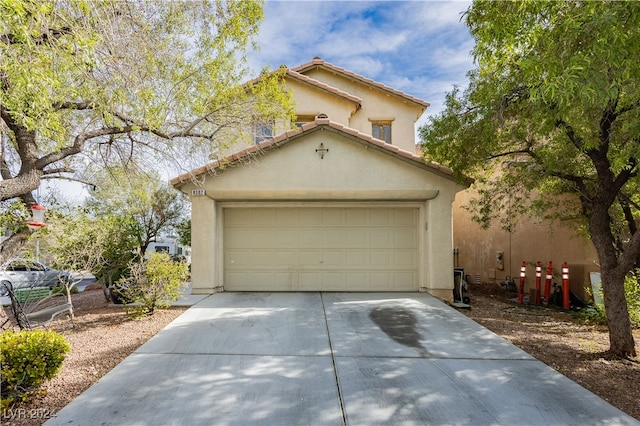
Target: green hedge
(28, 358)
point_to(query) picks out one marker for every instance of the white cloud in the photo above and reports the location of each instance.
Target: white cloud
(419, 47)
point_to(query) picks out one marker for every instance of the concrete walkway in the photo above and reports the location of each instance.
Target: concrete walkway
(332, 359)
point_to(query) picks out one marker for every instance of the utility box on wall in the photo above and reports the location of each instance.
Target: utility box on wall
(500, 260)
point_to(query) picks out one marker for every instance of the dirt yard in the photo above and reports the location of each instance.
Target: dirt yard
(103, 335)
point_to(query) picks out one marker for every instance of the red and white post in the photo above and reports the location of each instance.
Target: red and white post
(538, 283)
(565, 286)
(523, 274)
(547, 284)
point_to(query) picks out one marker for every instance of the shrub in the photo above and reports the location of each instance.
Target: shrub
(154, 283)
(597, 314)
(28, 358)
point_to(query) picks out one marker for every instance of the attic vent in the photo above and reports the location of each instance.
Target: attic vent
(322, 115)
(196, 192)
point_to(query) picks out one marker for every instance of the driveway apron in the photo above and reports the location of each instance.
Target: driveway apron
(332, 359)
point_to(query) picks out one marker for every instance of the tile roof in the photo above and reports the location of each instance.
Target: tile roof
(319, 63)
(323, 86)
(285, 137)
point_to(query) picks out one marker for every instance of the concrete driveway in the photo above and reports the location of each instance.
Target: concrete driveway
(332, 359)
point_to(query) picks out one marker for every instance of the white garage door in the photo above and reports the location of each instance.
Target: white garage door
(314, 249)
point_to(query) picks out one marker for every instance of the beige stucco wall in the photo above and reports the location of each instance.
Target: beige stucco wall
(376, 105)
(530, 241)
(311, 101)
(351, 173)
(203, 244)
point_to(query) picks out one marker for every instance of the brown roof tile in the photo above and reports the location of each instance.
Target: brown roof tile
(323, 86)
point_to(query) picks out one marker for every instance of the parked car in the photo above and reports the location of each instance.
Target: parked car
(29, 273)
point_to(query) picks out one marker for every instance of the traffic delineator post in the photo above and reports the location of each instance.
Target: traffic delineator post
(565, 286)
(523, 274)
(547, 284)
(536, 301)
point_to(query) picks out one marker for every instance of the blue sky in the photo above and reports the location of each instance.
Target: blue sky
(420, 47)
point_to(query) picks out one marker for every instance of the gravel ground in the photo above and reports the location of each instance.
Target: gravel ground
(103, 336)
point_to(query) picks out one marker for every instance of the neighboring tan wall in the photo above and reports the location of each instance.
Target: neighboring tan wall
(530, 242)
(376, 105)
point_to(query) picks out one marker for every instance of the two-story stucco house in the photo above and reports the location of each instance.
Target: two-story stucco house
(341, 203)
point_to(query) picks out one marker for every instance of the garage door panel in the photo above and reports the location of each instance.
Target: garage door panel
(357, 257)
(313, 249)
(334, 281)
(309, 281)
(254, 237)
(287, 217)
(310, 258)
(358, 279)
(381, 280)
(404, 238)
(404, 280)
(310, 217)
(380, 238)
(334, 258)
(333, 237)
(405, 258)
(310, 237)
(286, 238)
(357, 238)
(402, 216)
(357, 217)
(382, 259)
(285, 257)
(263, 217)
(266, 280)
(236, 258)
(239, 217)
(334, 217)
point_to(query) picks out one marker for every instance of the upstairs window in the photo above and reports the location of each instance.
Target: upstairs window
(381, 130)
(262, 132)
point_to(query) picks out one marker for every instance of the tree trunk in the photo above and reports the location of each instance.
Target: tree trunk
(621, 341)
(11, 246)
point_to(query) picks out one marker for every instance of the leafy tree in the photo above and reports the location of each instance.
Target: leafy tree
(184, 232)
(106, 82)
(154, 206)
(103, 246)
(550, 124)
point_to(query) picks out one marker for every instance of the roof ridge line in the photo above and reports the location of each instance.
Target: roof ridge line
(318, 62)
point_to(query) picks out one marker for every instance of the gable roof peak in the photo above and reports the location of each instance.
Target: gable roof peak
(317, 62)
